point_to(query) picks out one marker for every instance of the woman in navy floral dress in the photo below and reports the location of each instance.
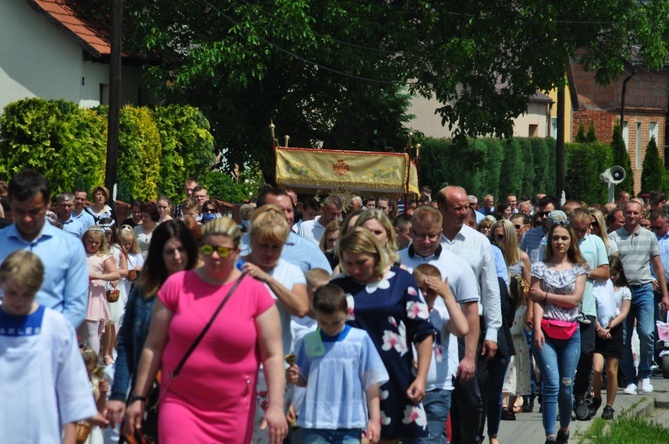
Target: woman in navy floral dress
(385, 302)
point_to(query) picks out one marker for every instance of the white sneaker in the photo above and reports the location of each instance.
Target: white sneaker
(646, 386)
(630, 390)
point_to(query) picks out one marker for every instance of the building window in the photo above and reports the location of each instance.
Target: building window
(652, 131)
(554, 127)
(637, 137)
(626, 136)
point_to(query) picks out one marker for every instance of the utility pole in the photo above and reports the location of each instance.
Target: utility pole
(111, 171)
(559, 144)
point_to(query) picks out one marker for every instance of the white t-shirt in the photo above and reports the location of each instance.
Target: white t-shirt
(288, 275)
(311, 230)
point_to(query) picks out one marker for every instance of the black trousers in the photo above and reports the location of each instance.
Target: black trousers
(584, 368)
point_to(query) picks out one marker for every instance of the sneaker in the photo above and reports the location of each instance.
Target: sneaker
(646, 386)
(580, 408)
(595, 404)
(608, 412)
(562, 437)
(583, 319)
(630, 389)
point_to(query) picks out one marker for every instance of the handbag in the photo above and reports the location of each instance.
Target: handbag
(148, 434)
(561, 330)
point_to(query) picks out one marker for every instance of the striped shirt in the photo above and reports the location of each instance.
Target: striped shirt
(636, 251)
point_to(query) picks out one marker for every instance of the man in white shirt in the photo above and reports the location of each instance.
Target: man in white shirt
(312, 230)
(476, 250)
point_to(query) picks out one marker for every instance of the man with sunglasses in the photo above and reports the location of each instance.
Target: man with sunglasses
(639, 252)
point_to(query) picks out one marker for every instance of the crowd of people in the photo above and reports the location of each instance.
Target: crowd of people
(322, 321)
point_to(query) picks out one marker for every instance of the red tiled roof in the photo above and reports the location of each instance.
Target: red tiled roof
(65, 18)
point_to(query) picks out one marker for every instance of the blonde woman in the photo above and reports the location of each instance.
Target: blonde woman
(378, 223)
(598, 228)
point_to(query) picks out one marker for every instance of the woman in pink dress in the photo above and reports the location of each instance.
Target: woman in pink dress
(213, 399)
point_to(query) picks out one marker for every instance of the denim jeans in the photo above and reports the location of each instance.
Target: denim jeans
(437, 403)
(323, 436)
(497, 367)
(643, 310)
(557, 361)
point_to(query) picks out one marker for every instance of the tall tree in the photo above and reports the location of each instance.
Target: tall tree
(331, 70)
(653, 170)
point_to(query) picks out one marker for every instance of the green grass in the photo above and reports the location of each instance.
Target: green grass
(625, 430)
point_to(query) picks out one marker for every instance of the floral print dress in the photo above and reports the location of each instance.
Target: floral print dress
(394, 314)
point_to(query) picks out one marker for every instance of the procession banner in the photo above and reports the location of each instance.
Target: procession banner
(366, 172)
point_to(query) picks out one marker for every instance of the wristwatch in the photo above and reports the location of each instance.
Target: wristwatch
(135, 397)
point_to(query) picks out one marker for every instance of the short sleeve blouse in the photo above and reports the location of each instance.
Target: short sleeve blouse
(558, 282)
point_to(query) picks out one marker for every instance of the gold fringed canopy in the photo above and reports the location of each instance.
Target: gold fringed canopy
(309, 170)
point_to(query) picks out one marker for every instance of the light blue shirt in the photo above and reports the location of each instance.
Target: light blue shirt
(65, 285)
(85, 219)
(531, 243)
(298, 251)
(664, 254)
(500, 264)
(73, 226)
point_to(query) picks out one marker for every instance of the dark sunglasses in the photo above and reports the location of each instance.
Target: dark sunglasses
(499, 236)
(564, 223)
(209, 210)
(223, 252)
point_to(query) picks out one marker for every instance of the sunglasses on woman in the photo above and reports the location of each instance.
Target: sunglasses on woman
(223, 252)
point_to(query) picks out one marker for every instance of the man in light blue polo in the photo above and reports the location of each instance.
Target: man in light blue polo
(65, 285)
(65, 214)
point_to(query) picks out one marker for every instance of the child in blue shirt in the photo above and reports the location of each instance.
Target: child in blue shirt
(342, 371)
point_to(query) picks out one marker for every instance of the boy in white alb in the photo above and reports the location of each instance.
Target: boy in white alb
(447, 317)
(44, 386)
(342, 371)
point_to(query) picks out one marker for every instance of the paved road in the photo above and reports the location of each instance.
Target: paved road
(528, 429)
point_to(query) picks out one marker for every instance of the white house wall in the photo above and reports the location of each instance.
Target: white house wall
(429, 123)
(37, 59)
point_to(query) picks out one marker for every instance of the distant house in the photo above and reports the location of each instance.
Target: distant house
(47, 51)
(535, 122)
(645, 112)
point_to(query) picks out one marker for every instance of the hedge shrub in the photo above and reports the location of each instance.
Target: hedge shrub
(158, 148)
(583, 164)
(652, 174)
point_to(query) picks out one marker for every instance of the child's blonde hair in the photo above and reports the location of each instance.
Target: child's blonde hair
(426, 270)
(126, 232)
(24, 268)
(95, 230)
(317, 276)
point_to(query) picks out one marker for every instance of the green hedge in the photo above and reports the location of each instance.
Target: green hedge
(158, 148)
(490, 166)
(521, 166)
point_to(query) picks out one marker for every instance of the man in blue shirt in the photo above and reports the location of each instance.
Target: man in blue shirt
(65, 285)
(64, 212)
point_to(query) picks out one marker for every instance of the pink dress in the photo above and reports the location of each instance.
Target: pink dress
(213, 398)
(97, 298)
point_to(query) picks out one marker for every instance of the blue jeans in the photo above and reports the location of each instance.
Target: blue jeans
(643, 310)
(324, 436)
(558, 360)
(437, 403)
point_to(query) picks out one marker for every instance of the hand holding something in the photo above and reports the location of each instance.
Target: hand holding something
(255, 272)
(133, 417)
(276, 421)
(115, 412)
(293, 374)
(98, 420)
(373, 431)
(537, 294)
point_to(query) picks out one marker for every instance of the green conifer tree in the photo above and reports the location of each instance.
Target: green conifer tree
(653, 171)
